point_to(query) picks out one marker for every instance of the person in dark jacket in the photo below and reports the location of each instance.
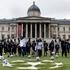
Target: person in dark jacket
(56, 47)
(5, 47)
(45, 48)
(51, 47)
(33, 47)
(8, 48)
(67, 44)
(64, 48)
(14, 46)
(19, 48)
(28, 47)
(1, 48)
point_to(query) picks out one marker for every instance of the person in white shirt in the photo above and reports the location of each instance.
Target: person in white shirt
(39, 47)
(22, 44)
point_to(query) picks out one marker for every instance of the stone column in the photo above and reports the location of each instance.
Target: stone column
(49, 30)
(31, 30)
(26, 30)
(17, 31)
(22, 30)
(40, 34)
(35, 30)
(44, 30)
(10, 31)
(57, 32)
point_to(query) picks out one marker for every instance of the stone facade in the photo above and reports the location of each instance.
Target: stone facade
(7, 30)
(35, 26)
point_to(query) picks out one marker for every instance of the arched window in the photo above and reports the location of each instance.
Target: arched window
(64, 29)
(2, 28)
(8, 28)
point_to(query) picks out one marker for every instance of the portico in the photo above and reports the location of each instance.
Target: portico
(33, 26)
(34, 30)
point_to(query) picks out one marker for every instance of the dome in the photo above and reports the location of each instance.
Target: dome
(33, 10)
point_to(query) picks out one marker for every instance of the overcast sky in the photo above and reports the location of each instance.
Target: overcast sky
(59, 9)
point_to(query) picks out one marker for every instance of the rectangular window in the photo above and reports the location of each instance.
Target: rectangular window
(64, 36)
(54, 28)
(2, 28)
(8, 36)
(68, 36)
(8, 28)
(64, 29)
(12, 28)
(3, 36)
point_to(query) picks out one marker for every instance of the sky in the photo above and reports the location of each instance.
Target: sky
(59, 9)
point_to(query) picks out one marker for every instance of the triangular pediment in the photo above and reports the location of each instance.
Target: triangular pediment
(33, 18)
(30, 19)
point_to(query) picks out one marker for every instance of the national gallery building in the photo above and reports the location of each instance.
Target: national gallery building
(35, 26)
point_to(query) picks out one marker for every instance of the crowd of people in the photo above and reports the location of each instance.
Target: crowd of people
(25, 47)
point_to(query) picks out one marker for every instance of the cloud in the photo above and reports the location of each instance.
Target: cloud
(49, 8)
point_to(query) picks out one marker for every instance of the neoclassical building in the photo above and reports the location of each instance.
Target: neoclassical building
(35, 26)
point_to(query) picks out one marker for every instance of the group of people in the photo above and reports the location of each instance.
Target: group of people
(25, 46)
(8, 46)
